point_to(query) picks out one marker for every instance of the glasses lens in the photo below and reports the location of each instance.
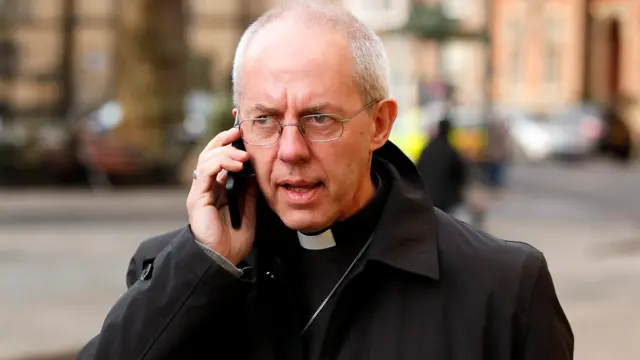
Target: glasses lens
(263, 131)
(321, 127)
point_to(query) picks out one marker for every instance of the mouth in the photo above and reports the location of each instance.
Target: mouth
(301, 188)
(301, 192)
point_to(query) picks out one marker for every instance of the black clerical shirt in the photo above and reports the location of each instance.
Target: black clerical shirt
(320, 270)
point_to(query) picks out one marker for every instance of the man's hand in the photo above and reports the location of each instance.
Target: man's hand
(207, 201)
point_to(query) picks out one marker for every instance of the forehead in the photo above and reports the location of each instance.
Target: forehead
(289, 62)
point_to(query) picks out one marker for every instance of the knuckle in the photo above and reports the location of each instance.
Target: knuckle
(218, 139)
(209, 163)
(203, 156)
(200, 169)
(214, 153)
(218, 136)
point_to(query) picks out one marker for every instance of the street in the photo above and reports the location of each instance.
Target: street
(63, 256)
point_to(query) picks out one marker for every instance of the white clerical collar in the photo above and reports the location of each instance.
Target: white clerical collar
(321, 241)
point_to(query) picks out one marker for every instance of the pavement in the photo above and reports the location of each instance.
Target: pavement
(28, 206)
(63, 258)
(586, 220)
(63, 255)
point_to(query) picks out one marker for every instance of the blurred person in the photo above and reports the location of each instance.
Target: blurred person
(496, 153)
(443, 169)
(478, 195)
(340, 254)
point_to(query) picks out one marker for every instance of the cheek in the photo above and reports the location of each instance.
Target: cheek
(263, 165)
(342, 170)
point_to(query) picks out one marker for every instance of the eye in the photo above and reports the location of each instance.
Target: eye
(263, 120)
(320, 119)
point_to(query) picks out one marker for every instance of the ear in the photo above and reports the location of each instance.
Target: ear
(385, 116)
(236, 113)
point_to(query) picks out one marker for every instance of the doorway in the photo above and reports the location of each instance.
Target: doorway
(613, 68)
(603, 63)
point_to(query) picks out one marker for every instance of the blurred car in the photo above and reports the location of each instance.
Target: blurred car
(574, 132)
(101, 152)
(531, 142)
(35, 151)
(569, 133)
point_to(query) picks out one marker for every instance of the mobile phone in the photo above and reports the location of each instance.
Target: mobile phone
(236, 188)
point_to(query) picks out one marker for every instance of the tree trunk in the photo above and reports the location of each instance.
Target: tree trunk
(152, 79)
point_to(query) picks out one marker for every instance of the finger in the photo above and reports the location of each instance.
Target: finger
(228, 150)
(209, 170)
(221, 178)
(223, 138)
(203, 198)
(219, 165)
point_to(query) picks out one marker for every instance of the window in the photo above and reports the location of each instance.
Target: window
(382, 4)
(456, 9)
(14, 9)
(516, 57)
(551, 62)
(455, 58)
(8, 60)
(552, 52)
(376, 5)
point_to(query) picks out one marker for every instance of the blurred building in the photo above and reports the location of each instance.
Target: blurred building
(612, 58)
(460, 61)
(555, 53)
(58, 56)
(464, 60)
(31, 57)
(538, 53)
(385, 17)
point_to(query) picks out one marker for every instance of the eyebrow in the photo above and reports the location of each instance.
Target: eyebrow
(312, 109)
(263, 108)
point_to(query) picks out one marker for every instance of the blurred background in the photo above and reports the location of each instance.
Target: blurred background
(105, 104)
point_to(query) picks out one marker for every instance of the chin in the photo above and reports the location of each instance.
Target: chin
(304, 220)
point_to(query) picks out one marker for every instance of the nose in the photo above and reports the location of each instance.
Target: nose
(293, 147)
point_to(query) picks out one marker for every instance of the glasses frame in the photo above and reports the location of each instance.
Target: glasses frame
(297, 124)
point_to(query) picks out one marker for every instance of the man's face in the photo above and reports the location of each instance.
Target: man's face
(290, 72)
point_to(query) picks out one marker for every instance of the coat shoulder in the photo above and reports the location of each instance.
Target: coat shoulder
(151, 247)
(474, 254)
(147, 251)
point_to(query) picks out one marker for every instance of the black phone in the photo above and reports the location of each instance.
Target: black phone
(236, 188)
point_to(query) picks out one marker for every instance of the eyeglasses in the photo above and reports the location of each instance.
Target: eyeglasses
(267, 130)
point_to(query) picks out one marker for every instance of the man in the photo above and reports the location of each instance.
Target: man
(496, 152)
(340, 255)
(443, 169)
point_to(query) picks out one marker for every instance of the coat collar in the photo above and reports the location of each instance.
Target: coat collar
(406, 237)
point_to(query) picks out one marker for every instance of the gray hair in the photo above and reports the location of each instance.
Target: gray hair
(368, 52)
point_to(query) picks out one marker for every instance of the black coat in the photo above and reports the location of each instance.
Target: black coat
(431, 287)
